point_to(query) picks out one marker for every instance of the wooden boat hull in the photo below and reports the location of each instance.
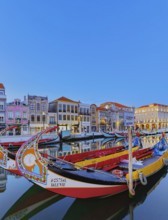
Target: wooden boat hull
(64, 178)
(61, 184)
(78, 189)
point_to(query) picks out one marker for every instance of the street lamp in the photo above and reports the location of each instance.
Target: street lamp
(43, 118)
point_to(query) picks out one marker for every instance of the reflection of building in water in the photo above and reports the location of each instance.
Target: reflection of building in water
(3, 179)
(150, 141)
(81, 146)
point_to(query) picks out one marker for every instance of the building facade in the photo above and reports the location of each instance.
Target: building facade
(84, 117)
(93, 118)
(67, 114)
(2, 107)
(151, 117)
(116, 116)
(17, 113)
(38, 113)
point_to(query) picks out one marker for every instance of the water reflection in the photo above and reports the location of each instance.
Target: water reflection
(37, 203)
(3, 179)
(116, 207)
(33, 201)
(63, 149)
(20, 200)
(150, 141)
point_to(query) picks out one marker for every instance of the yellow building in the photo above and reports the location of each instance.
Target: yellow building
(151, 117)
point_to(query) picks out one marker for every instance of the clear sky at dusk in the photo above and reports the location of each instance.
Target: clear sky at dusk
(88, 50)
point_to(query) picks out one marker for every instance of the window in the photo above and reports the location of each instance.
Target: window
(81, 111)
(76, 109)
(52, 120)
(64, 108)
(32, 117)
(1, 107)
(17, 114)
(38, 106)
(76, 117)
(24, 115)
(72, 117)
(32, 106)
(10, 115)
(64, 117)
(43, 107)
(68, 108)
(60, 117)
(24, 127)
(38, 118)
(1, 119)
(68, 117)
(60, 108)
(72, 109)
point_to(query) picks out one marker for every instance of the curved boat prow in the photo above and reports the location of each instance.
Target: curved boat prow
(30, 163)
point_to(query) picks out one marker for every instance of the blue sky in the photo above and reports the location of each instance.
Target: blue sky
(88, 50)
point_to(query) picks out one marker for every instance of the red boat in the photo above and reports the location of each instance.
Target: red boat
(65, 178)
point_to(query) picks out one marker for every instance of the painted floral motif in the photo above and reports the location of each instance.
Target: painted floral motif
(30, 162)
(3, 157)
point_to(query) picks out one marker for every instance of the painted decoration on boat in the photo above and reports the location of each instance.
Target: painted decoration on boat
(32, 164)
(3, 157)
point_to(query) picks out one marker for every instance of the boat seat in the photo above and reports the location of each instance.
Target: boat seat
(125, 166)
(146, 154)
(107, 168)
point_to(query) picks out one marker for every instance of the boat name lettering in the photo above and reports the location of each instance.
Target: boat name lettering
(57, 184)
(56, 180)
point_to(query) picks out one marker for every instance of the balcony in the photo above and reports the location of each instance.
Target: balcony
(52, 123)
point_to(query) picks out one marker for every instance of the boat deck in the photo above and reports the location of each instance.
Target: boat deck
(139, 165)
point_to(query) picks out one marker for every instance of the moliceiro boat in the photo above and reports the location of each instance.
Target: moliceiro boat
(8, 158)
(108, 177)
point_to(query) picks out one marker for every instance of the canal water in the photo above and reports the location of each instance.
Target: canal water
(20, 199)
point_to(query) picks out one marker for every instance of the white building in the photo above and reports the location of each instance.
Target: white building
(84, 113)
(38, 113)
(67, 113)
(2, 106)
(117, 116)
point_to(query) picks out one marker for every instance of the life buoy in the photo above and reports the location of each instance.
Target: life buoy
(142, 178)
(118, 173)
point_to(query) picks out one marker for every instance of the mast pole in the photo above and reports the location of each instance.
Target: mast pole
(130, 181)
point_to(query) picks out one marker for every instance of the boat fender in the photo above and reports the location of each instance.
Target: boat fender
(165, 161)
(142, 178)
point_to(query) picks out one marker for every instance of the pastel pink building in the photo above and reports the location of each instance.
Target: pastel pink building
(17, 113)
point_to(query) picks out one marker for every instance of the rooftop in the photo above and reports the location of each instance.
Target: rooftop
(2, 86)
(64, 99)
